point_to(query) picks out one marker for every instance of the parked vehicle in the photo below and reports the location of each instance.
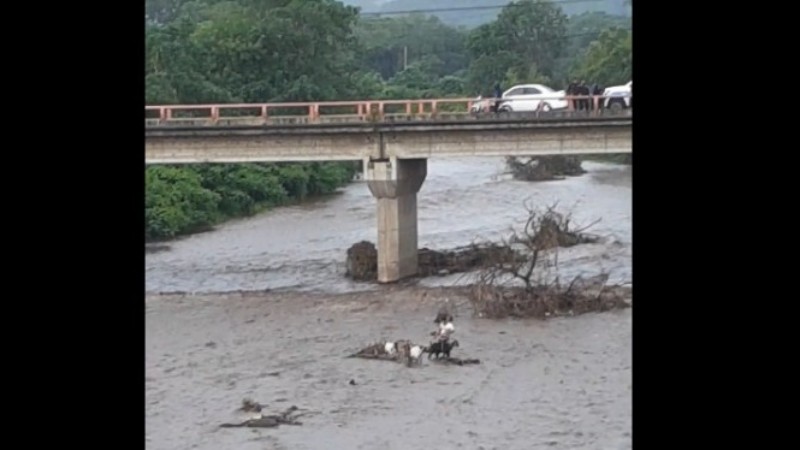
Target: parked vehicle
(618, 97)
(526, 97)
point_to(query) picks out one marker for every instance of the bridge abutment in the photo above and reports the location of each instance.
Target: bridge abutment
(395, 183)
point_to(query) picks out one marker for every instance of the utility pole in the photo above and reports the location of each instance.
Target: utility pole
(405, 57)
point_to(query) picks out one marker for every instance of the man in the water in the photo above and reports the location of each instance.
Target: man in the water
(446, 328)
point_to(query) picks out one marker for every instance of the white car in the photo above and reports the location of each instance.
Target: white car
(527, 97)
(618, 97)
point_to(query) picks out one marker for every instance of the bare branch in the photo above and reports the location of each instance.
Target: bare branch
(540, 293)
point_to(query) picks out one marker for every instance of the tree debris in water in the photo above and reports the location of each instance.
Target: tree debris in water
(545, 168)
(374, 351)
(362, 257)
(288, 417)
(526, 287)
(458, 361)
(249, 405)
(378, 351)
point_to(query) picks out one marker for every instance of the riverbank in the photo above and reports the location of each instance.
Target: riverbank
(184, 200)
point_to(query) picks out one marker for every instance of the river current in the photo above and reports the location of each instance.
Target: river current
(462, 200)
(260, 309)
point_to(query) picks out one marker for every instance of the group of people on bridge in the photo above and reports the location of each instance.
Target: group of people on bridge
(579, 88)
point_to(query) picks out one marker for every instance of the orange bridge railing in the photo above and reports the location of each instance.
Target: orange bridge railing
(359, 111)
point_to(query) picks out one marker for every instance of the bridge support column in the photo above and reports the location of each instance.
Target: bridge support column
(395, 183)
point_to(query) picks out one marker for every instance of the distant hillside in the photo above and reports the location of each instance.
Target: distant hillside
(479, 16)
(366, 5)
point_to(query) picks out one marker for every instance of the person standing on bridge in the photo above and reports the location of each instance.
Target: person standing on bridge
(572, 89)
(498, 94)
(583, 91)
(597, 91)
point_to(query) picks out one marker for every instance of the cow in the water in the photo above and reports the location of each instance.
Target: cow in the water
(415, 352)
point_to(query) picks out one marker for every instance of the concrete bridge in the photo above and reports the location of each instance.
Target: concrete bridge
(392, 138)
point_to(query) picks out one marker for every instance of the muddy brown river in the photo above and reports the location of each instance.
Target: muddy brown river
(563, 383)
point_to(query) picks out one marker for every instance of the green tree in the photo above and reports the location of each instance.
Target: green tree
(585, 28)
(608, 60)
(176, 202)
(386, 44)
(172, 71)
(203, 51)
(162, 11)
(535, 32)
(523, 43)
(582, 30)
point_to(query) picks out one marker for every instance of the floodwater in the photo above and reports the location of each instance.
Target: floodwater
(559, 384)
(465, 199)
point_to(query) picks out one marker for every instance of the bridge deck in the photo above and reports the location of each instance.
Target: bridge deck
(463, 122)
(351, 137)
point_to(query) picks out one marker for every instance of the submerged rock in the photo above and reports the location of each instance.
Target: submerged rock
(362, 261)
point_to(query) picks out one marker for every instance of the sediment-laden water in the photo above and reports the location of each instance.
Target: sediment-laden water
(304, 247)
(559, 384)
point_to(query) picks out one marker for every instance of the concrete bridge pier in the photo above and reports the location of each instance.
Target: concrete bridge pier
(395, 183)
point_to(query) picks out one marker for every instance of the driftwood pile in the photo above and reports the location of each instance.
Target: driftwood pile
(378, 351)
(552, 230)
(458, 361)
(530, 286)
(362, 260)
(544, 301)
(545, 168)
(288, 417)
(375, 351)
(249, 405)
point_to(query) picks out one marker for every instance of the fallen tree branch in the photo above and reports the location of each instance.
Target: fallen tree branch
(525, 287)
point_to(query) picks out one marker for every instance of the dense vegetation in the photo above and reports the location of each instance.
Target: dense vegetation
(200, 51)
(187, 199)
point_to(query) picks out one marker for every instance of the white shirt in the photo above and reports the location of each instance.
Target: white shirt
(446, 329)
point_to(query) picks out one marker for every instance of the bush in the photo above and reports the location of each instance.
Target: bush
(185, 199)
(176, 202)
